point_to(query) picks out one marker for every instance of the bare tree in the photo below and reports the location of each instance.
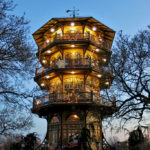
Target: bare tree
(15, 69)
(131, 66)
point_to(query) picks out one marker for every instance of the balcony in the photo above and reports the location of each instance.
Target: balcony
(75, 37)
(79, 63)
(73, 98)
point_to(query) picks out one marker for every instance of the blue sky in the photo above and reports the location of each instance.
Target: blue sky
(127, 15)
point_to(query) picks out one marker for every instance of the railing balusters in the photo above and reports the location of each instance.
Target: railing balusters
(75, 37)
(82, 97)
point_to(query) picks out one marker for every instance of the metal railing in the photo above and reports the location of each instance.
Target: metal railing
(72, 63)
(76, 37)
(72, 98)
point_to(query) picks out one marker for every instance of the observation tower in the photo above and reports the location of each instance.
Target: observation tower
(74, 54)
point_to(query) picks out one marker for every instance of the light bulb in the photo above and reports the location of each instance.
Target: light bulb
(42, 84)
(49, 51)
(94, 28)
(72, 23)
(72, 45)
(97, 50)
(99, 75)
(47, 41)
(52, 29)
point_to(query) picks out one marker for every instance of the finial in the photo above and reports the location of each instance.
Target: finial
(74, 12)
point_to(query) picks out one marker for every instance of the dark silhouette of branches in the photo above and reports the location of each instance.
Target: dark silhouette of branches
(131, 66)
(16, 57)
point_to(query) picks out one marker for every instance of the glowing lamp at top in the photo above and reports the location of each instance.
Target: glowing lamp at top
(104, 59)
(52, 30)
(107, 83)
(72, 45)
(47, 41)
(94, 28)
(97, 50)
(72, 72)
(99, 75)
(42, 84)
(72, 24)
(49, 51)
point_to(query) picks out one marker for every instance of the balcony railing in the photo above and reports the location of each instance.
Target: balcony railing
(72, 98)
(76, 37)
(73, 63)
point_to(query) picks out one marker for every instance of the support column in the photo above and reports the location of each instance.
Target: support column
(101, 134)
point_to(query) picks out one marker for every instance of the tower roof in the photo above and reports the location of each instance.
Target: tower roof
(90, 21)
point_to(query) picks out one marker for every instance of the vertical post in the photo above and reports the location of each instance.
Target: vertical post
(101, 134)
(33, 103)
(91, 96)
(47, 134)
(61, 131)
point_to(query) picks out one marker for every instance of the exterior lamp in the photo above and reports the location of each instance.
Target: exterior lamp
(97, 50)
(72, 45)
(72, 72)
(72, 24)
(47, 41)
(99, 75)
(49, 51)
(42, 84)
(94, 28)
(47, 77)
(75, 116)
(37, 103)
(104, 59)
(52, 30)
(44, 61)
(107, 83)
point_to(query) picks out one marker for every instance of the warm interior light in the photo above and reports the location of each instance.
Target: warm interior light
(52, 29)
(42, 84)
(94, 28)
(37, 103)
(72, 23)
(47, 77)
(47, 41)
(44, 61)
(99, 75)
(49, 51)
(72, 45)
(72, 72)
(107, 83)
(75, 116)
(97, 49)
(105, 59)
(100, 39)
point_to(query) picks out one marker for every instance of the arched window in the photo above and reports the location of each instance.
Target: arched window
(55, 119)
(73, 118)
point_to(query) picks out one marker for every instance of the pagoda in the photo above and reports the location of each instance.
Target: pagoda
(73, 55)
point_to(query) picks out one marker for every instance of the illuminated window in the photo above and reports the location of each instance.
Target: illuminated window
(73, 117)
(55, 119)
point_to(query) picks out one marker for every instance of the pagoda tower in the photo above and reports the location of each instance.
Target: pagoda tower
(73, 56)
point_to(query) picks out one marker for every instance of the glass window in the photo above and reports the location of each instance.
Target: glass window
(55, 119)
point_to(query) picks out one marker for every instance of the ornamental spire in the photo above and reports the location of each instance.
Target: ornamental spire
(73, 12)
